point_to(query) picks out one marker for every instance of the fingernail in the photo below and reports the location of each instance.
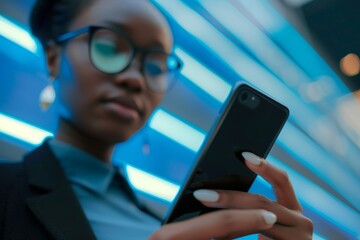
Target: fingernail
(206, 195)
(269, 217)
(251, 158)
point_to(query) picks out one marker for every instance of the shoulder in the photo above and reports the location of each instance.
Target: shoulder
(12, 168)
(9, 168)
(10, 172)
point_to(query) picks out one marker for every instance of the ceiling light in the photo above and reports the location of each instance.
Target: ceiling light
(350, 65)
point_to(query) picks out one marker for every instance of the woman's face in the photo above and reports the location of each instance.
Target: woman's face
(110, 108)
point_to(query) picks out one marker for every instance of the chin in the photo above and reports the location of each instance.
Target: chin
(115, 137)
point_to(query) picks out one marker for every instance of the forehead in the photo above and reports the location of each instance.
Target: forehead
(139, 18)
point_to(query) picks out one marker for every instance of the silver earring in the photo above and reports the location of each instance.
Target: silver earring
(47, 96)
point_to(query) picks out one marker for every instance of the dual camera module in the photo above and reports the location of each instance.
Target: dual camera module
(249, 99)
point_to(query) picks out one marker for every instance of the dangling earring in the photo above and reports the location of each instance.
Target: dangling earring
(47, 96)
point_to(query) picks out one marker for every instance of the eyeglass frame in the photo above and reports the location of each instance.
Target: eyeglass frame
(143, 51)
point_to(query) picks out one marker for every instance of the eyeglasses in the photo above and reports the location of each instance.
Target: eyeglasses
(111, 51)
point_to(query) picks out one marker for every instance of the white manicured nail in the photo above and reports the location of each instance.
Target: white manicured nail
(251, 158)
(206, 195)
(269, 217)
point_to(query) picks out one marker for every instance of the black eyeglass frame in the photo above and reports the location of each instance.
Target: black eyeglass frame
(91, 30)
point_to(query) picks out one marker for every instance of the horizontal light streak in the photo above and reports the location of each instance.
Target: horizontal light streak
(318, 237)
(22, 131)
(203, 77)
(292, 42)
(264, 13)
(297, 3)
(17, 35)
(177, 130)
(259, 44)
(339, 177)
(151, 184)
(322, 202)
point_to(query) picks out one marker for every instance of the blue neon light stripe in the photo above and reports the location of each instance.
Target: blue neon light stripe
(322, 202)
(177, 130)
(285, 34)
(151, 184)
(256, 41)
(22, 131)
(16, 34)
(337, 175)
(203, 77)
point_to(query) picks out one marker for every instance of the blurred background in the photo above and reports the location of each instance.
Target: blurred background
(303, 53)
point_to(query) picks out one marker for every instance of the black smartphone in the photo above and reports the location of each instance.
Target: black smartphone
(249, 121)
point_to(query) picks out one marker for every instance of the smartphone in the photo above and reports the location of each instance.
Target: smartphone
(249, 121)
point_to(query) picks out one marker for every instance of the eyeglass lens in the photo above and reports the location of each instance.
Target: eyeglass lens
(111, 53)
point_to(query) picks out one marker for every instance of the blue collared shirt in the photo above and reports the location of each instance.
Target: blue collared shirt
(110, 211)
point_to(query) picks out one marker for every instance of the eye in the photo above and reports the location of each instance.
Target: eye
(153, 68)
(108, 55)
(105, 48)
(109, 43)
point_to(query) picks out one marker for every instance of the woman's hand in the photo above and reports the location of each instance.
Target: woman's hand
(246, 213)
(224, 224)
(291, 224)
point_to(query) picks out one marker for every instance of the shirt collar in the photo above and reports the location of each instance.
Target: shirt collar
(82, 168)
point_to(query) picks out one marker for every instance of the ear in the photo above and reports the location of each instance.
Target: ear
(52, 52)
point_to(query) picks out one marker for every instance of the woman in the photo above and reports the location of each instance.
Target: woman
(111, 61)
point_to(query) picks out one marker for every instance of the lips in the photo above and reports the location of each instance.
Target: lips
(122, 106)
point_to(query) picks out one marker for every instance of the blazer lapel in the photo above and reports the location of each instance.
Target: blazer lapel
(57, 209)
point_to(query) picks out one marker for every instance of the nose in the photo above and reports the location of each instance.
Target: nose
(132, 78)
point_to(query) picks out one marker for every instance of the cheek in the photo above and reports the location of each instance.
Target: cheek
(77, 79)
(78, 65)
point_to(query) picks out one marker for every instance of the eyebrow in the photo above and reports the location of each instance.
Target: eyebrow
(118, 26)
(123, 27)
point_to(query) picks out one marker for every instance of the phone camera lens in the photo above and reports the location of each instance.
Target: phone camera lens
(249, 99)
(244, 96)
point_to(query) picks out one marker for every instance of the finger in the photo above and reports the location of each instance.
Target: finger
(263, 237)
(302, 231)
(280, 232)
(219, 224)
(242, 200)
(279, 179)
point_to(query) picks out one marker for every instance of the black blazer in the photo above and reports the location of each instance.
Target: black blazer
(37, 201)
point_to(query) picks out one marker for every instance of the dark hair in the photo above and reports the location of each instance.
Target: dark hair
(51, 18)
